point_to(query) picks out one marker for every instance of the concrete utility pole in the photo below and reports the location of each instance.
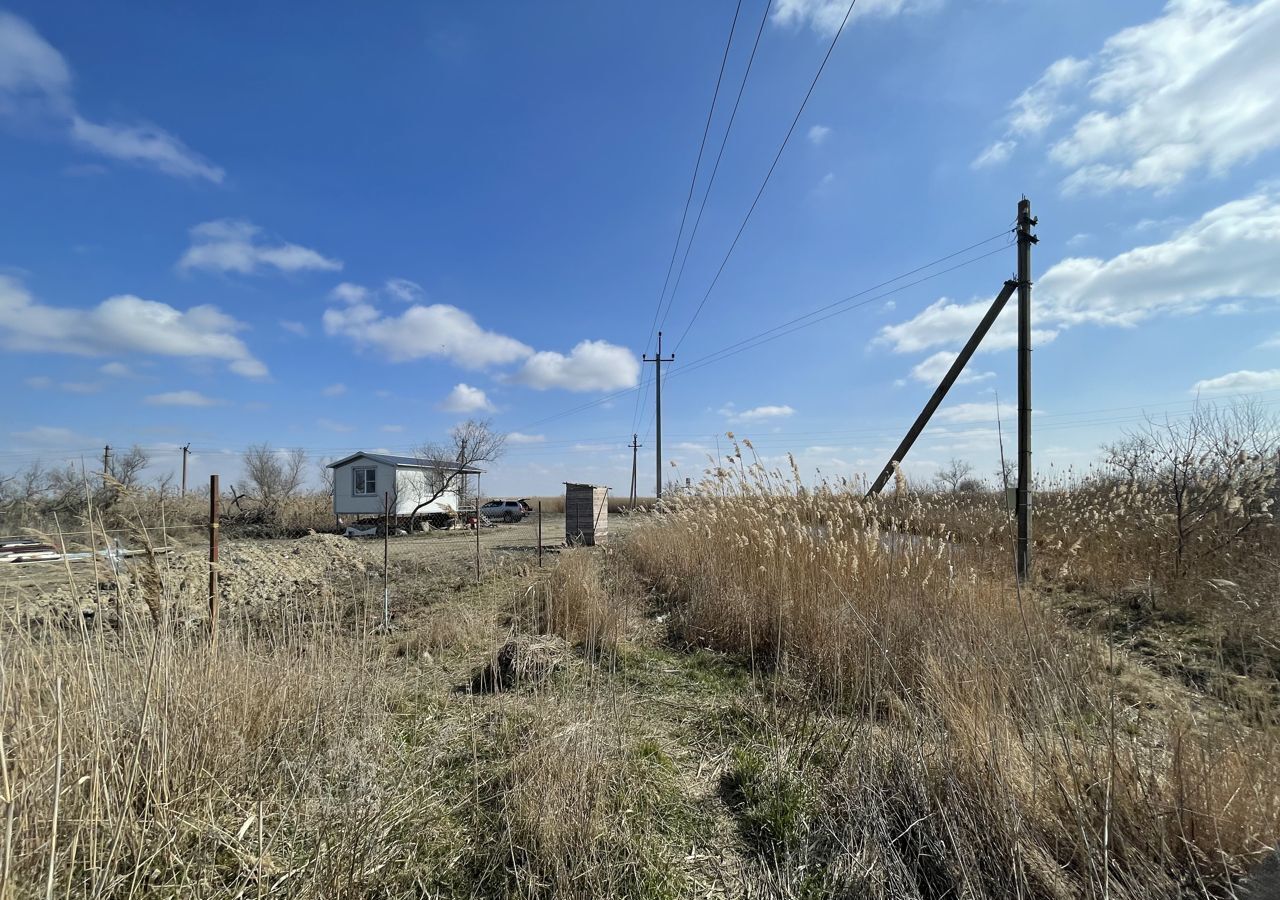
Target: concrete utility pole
(1023, 492)
(635, 447)
(948, 380)
(657, 389)
(186, 449)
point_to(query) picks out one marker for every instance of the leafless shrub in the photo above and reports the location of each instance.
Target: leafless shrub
(274, 477)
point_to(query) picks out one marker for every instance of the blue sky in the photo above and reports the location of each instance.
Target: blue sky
(351, 228)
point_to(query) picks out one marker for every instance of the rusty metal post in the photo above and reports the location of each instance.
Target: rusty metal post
(539, 534)
(477, 528)
(1023, 494)
(213, 560)
(386, 541)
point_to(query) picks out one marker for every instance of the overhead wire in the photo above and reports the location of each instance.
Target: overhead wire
(799, 322)
(769, 174)
(693, 179)
(711, 180)
(701, 360)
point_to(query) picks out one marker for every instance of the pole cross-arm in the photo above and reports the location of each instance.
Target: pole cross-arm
(948, 380)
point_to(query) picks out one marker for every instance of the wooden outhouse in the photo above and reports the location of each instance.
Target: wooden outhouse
(586, 514)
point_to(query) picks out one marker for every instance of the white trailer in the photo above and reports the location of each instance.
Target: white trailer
(364, 482)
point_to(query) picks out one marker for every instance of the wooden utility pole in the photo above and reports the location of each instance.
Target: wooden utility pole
(635, 448)
(213, 560)
(186, 450)
(106, 463)
(1023, 493)
(657, 390)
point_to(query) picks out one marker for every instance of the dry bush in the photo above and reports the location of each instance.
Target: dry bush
(994, 754)
(976, 805)
(580, 601)
(148, 765)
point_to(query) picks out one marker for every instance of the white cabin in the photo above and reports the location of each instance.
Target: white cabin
(363, 482)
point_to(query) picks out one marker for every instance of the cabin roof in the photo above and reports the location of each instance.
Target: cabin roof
(409, 462)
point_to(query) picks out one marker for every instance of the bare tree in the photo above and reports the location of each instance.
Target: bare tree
(956, 476)
(275, 476)
(126, 468)
(1212, 474)
(470, 443)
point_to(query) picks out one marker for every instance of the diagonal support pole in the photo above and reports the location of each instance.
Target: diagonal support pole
(948, 380)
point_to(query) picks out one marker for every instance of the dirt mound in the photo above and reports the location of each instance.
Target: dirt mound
(253, 575)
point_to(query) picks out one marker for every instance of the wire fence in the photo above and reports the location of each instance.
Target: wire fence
(207, 575)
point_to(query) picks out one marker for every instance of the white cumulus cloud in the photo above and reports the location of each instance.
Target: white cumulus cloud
(1231, 253)
(757, 413)
(443, 331)
(995, 154)
(234, 245)
(36, 85)
(818, 134)
(120, 325)
(1196, 89)
(516, 437)
(590, 366)
(1244, 381)
(437, 331)
(932, 369)
(466, 399)
(146, 144)
(182, 398)
(825, 16)
(403, 289)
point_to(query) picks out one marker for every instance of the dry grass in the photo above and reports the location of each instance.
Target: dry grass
(983, 747)
(588, 607)
(146, 765)
(872, 709)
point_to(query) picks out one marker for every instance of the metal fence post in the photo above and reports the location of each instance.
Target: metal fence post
(213, 560)
(386, 540)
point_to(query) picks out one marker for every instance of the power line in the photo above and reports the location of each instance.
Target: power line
(693, 179)
(768, 175)
(733, 115)
(798, 323)
(793, 324)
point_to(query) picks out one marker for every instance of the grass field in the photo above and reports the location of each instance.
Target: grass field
(768, 690)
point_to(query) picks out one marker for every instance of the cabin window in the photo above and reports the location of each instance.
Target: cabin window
(364, 481)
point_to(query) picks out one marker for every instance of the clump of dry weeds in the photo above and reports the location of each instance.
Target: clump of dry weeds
(992, 755)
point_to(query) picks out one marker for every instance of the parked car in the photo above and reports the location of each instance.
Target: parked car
(525, 505)
(503, 510)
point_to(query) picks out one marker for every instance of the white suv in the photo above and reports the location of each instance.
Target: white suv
(505, 510)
